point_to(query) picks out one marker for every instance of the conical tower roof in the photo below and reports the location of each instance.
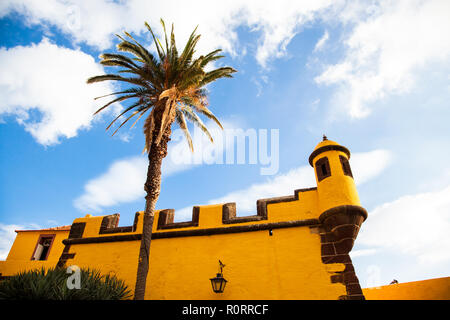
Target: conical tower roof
(327, 145)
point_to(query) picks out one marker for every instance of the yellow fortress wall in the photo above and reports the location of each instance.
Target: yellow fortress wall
(432, 289)
(19, 257)
(294, 247)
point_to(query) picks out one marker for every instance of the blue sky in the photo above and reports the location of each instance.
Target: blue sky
(371, 75)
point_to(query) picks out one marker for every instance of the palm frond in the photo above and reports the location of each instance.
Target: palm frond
(131, 116)
(135, 105)
(114, 56)
(158, 45)
(121, 98)
(142, 113)
(169, 85)
(205, 111)
(131, 90)
(186, 55)
(194, 118)
(114, 77)
(149, 58)
(210, 57)
(181, 120)
(165, 35)
(224, 72)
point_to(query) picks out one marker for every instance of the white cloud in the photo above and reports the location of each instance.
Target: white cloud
(277, 22)
(124, 180)
(7, 236)
(51, 80)
(387, 43)
(390, 42)
(415, 225)
(365, 166)
(362, 253)
(53, 222)
(320, 44)
(93, 22)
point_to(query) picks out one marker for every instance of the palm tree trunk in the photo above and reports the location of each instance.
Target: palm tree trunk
(152, 188)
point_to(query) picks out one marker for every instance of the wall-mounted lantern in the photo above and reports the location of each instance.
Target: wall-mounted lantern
(218, 283)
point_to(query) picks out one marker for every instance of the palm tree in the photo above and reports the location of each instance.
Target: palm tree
(166, 89)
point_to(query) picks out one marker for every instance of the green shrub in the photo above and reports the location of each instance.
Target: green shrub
(51, 284)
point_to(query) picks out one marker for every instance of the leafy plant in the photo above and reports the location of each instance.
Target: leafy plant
(51, 284)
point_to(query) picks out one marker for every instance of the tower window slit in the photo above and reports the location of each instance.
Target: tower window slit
(323, 168)
(346, 166)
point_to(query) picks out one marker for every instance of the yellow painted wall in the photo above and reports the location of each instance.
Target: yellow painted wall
(433, 289)
(286, 265)
(19, 257)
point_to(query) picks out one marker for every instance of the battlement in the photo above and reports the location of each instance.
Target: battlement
(280, 212)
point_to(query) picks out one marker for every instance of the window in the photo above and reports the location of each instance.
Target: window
(346, 166)
(43, 246)
(323, 168)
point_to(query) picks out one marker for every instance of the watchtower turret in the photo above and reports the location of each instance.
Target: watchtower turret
(335, 184)
(341, 214)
